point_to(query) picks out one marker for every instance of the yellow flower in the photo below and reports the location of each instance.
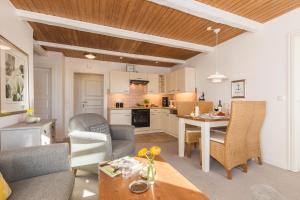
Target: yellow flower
(142, 152)
(30, 111)
(155, 150)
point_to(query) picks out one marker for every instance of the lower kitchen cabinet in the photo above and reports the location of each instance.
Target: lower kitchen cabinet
(122, 117)
(169, 122)
(155, 120)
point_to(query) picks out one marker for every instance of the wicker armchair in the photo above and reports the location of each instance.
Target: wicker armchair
(253, 135)
(192, 133)
(230, 149)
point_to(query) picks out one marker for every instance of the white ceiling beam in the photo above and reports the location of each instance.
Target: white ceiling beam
(38, 49)
(109, 31)
(211, 13)
(111, 53)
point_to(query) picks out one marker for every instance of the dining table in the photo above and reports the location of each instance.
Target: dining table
(205, 123)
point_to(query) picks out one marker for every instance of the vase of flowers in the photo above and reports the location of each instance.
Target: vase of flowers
(150, 156)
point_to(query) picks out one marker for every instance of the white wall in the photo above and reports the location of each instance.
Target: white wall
(20, 34)
(262, 59)
(56, 62)
(76, 65)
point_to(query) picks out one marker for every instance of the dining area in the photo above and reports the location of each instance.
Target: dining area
(230, 135)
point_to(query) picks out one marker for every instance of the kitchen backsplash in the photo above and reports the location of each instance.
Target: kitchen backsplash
(137, 94)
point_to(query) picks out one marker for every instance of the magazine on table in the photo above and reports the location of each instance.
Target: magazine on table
(113, 168)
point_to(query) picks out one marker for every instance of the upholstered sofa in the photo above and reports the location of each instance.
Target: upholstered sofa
(41, 172)
(93, 140)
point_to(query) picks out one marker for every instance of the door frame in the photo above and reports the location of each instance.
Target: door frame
(293, 138)
(52, 87)
(73, 91)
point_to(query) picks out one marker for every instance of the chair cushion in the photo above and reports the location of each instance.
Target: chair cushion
(55, 186)
(217, 137)
(101, 127)
(121, 148)
(192, 137)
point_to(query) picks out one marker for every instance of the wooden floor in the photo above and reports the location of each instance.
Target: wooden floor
(154, 138)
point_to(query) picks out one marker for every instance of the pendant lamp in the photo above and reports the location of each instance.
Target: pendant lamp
(216, 77)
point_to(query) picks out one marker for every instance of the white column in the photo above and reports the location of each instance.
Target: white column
(181, 137)
(205, 145)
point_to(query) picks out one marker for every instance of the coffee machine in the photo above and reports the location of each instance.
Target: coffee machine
(165, 102)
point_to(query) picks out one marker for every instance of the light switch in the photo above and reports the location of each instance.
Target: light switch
(281, 98)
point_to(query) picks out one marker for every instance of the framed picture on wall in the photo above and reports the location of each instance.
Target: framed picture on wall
(14, 92)
(238, 88)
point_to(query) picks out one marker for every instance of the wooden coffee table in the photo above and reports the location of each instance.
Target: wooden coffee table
(169, 185)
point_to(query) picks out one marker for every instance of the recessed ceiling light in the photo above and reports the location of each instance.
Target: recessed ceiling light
(121, 58)
(90, 56)
(3, 47)
(156, 62)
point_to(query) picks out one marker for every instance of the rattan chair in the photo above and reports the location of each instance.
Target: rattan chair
(192, 133)
(253, 135)
(230, 149)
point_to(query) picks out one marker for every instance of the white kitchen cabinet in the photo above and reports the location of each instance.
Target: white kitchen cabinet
(173, 122)
(181, 80)
(174, 81)
(155, 120)
(119, 82)
(164, 115)
(186, 80)
(122, 117)
(138, 76)
(153, 85)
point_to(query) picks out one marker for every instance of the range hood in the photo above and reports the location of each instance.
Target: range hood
(137, 82)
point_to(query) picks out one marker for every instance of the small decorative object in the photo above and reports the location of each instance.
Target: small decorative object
(197, 111)
(139, 186)
(202, 97)
(30, 118)
(238, 88)
(150, 155)
(14, 94)
(129, 68)
(146, 102)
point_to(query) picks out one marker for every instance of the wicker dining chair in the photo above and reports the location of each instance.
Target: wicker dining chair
(192, 133)
(253, 135)
(230, 149)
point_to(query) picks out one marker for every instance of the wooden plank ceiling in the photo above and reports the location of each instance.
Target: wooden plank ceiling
(79, 54)
(144, 17)
(61, 35)
(258, 10)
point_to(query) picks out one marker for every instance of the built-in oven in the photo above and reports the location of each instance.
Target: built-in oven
(140, 118)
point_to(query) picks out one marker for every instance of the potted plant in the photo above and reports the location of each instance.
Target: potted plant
(146, 102)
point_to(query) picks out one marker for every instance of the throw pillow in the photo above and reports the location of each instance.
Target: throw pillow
(5, 191)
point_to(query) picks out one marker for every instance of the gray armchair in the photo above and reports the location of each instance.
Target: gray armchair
(93, 140)
(40, 172)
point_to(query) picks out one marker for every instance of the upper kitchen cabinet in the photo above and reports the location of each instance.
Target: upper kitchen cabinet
(153, 85)
(138, 76)
(181, 80)
(119, 82)
(186, 80)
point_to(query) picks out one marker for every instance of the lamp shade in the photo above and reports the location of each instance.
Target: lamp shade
(217, 78)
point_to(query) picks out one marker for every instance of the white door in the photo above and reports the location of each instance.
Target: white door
(88, 93)
(42, 93)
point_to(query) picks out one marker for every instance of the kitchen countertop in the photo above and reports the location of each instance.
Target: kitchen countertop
(140, 107)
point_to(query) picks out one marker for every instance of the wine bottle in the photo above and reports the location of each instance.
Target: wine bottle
(220, 106)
